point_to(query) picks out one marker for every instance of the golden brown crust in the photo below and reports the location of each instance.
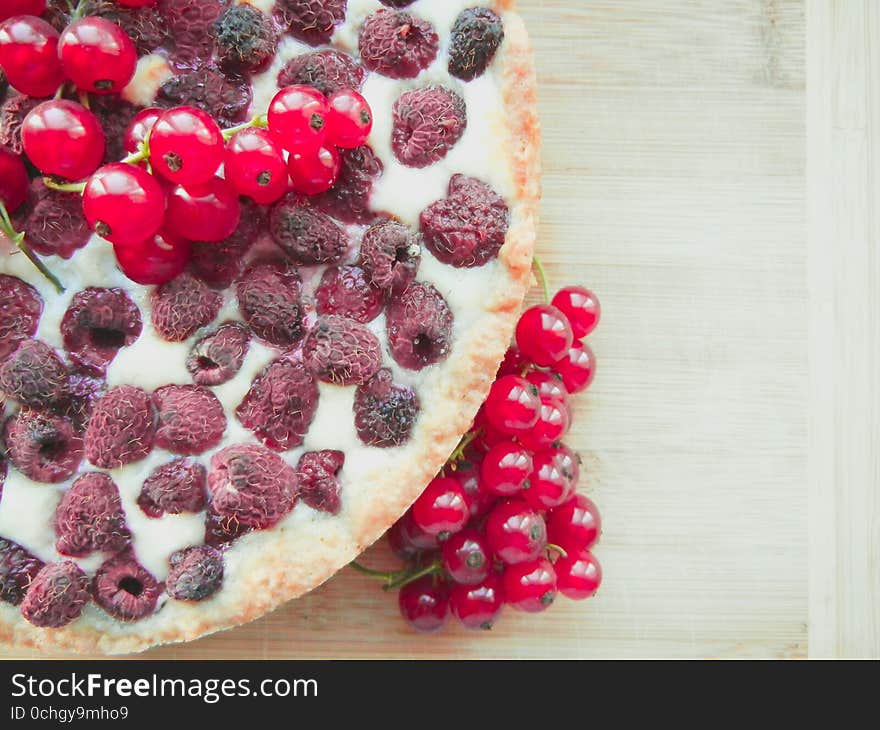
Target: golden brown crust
(269, 568)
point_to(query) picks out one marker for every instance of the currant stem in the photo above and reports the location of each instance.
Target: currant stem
(77, 187)
(562, 551)
(542, 277)
(17, 238)
(432, 569)
(458, 453)
(257, 121)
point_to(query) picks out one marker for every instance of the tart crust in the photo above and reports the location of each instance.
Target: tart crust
(266, 569)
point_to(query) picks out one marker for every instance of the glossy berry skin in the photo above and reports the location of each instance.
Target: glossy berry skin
(97, 55)
(505, 469)
(442, 508)
(479, 501)
(543, 334)
(207, 212)
(314, 171)
(578, 368)
(154, 261)
(515, 532)
(63, 138)
(514, 363)
(349, 119)
(29, 55)
(466, 557)
(575, 525)
(582, 308)
(553, 423)
(530, 586)
(549, 384)
(14, 182)
(140, 127)
(254, 165)
(550, 484)
(407, 539)
(22, 7)
(424, 604)
(136, 3)
(478, 606)
(186, 146)
(488, 435)
(297, 117)
(513, 405)
(123, 203)
(578, 575)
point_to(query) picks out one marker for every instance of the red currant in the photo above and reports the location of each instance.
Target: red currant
(578, 368)
(515, 532)
(575, 524)
(314, 171)
(29, 55)
(442, 508)
(154, 261)
(550, 484)
(123, 203)
(407, 539)
(136, 3)
(569, 462)
(63, 138)
(478, 606)
(513, 404)
(543, 334)
(505, 469)
(478, 501)
(582, 308)
(349, 119)
(424, 603)
(14, 181)
(553, 423)
(466, 557)
(549, 385)
(207, 212)
(578, 575)
(297, 117)
(254, 165)
(514, 363)
(488, 435)
(22, 7)
(97, 55)
(186, 146)
(139, 127)
(530, 586)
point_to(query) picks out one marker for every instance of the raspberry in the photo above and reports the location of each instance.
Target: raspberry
(419, 326)
(476, 36)
(217, 357)
(318, 473)
(397, 44)
(12, 114)
(183, 305)
(121, 428)
(145, 26)
(245, 38)
(90, 518)
(191, 24)
(384, 412)
(96, 324)
(57, 595)
(280, 404)
(339, 350)
(115, 116)
(390, 254)
(223, 97)
(125, 589)
(196, 573)
(269, 301)
(84, 390)
(220, 263)
(397, 3)
(307, 236)
(173, 488)
(312, 21)
(328, 71)
(467, 228)
(221, 531)
(251, 484)
(17, 571)
(43, 446)
(35, 376)
(349, 198)
(345, 290)
(427, 123)
(190, 419)
(55, 223)
(21, 306)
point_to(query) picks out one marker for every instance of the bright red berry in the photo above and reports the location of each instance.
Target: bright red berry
(530, 586)
(314, 171)
(97, 55)
(575, 524)
(505, 469)
(543, 334)
(123, 203)
(478, 606)
(514, 363)
(578, 575)
(63, 138)
(254, 165)
(515, 532)
(297, 117)
(349, 119)
(582, 308)
(479, 501)
(549, 384)
(139, 127)
(578, 368)
(407, 539)
(22, 7)
(207, 212)
(186, 146)
(466, 557)
(442, 508)
(29, 55)
(156, 260)
(513, 404)
(550, 483)
(488, 434)
(14, 181)
(553, 423)
(424, 603)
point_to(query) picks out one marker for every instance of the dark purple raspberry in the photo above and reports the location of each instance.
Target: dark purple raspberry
(390, 254)
(196, 573)
(397, 3)
(96, 324)
(12, 114)
(173, 488)
(35, 376)
(21, 306)
(306, 236)
(217, 357)
(280, 405)
(346, 290)
(18, 568)
(191, 25)
(419, 326)
(318, 473)
(349, 199)
(269, 301)
(4, 86)
(251, 484)
(384, 412)
(90, 518)
(189, 419)
(339, 350)
(85, 390)
(475, 39)
(223, 97)
(312, 21)
(43, 446)
(125, 589)
(55, 224)
(121, 428)
(469, 227)
(115, 115)
(218, 264)
(145, 26)
(397, 44)
(57, 596)
(222, 530)
(328, 71)
(427, 123)
(182, 306)
(245, 38)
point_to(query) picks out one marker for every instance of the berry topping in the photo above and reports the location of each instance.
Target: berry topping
(577, 368)
(55, 224)
(121, 428)
(89, 517)
(34, 375)
(182, 305)
(515, 532)
(245, 38)
(154, 261)
(196, 573)
(217, 357)
(384, 412)
(578, 575)
(505, 469)
(172, 488)
(186, 146)
(21, 306)
(397, 3)
(17, 571)
(208, 211)
(269, 301)
(125, 589)
(191, 24)
(349, 119)
(552, 481)
(220, 263)
(190, 419)
(582, 308)
(345, 290)
(297, 116)
(123, 203)
(442, 508)
(349, 198)
(96, 324)
(390, 255)
(318, 473)
(543, 334)
(307, 236)
(115, 116)
(97, 55)
(469, 227)
(43, 446)
(14, 182)
(254, 164)
(530, 586)
(63, 138)
(475, 39)
(575, 524)
(29, 55)
(312, 21)
(224, 98)
(397, 44)
(12, 114)
(57, 596)
(478, 606)
(145, 25)
(222, 530)
(427, 123)
(339, 350)
(513, 405)
(313, 171)
(466, 557)
(328, 71)
(419, 326)
(84, 390)
(424, 604)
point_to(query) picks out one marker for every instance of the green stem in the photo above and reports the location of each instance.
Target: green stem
(458, 453)
(432, 569)
(77, 187)
(79, 10)
(18, 239)
(542, 277)
(562, 551)
(257, 121)
(142, 154)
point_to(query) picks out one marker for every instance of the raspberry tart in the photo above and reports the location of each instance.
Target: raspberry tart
(262, 262)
